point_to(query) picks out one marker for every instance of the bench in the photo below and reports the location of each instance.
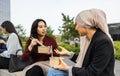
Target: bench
(4, 72)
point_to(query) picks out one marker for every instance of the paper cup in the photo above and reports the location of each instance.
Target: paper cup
(54, 61)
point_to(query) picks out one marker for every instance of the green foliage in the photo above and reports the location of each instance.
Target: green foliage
(68, 29)
(21, 31)
(50, 32)
(1, 32)
(3, 35)
(24, 44)
(58, 38)
(117, 49)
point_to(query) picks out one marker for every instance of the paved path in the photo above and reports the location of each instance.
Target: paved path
(117, 68)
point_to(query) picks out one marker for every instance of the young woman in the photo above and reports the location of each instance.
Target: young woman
(13, 44)
(38, 36)
(96, 56)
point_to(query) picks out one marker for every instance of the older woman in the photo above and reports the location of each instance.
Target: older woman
(96, 57)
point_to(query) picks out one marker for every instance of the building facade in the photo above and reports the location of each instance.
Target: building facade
(114, 29)
(4, 10)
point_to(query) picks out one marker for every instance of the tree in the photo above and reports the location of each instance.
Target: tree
(68, 29)
(50, 32)
(21, 31)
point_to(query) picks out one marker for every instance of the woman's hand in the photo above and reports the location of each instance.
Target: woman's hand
(63, 51)
(34, 42)
(2, 41)
(62, 65)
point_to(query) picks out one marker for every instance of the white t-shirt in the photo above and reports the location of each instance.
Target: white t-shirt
(12, 45)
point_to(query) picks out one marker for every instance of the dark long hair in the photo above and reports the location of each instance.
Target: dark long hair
(34, 32)
(9, 27)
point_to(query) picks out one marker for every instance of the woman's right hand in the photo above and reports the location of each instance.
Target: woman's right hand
(34, 42)
(62, 65)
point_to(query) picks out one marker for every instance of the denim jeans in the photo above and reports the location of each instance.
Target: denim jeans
(55, 72)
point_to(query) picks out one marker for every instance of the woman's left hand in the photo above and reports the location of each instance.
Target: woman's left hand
(62, 65)
(63, 51)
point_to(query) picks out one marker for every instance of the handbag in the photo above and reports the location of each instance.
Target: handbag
(16, 64)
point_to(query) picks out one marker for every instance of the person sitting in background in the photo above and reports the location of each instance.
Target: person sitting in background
(13, 44)
(96, 57)
(2, 45)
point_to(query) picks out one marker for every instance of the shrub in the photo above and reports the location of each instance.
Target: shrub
(23, 43)
(117, 49)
